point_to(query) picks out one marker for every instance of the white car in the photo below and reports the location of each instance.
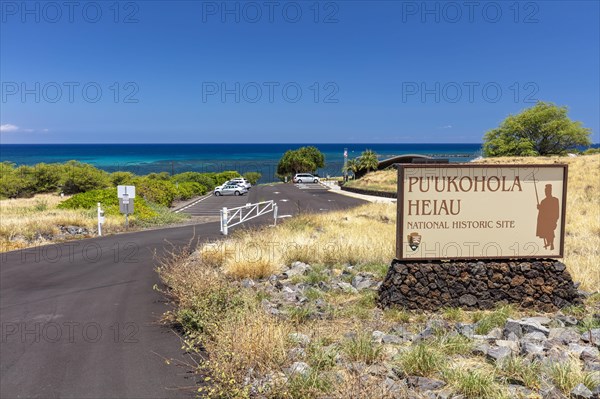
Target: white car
(305, 178)
(230, 189)
(231, 183)
(240, 181)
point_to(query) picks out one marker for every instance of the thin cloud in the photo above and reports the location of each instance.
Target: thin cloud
(446, 127)
(10, 128)
(6, 128)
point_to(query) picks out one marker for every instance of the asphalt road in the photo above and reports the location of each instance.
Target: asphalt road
(81, 319)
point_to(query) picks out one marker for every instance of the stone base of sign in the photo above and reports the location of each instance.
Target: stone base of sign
(541, 284)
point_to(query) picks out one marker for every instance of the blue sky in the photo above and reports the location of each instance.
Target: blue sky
(322, 72)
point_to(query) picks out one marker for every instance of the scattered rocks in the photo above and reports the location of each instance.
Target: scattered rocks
(514, 327)
(73, 230)
(512, 345)
(564, 335)
(549, 339)
(591, 336)
(498, 353)
(248, 283)
(481, 349)
(424, 384)
(531, 349)
(301, 339)
(363, 281)
(581, 392)
(297, 268)
(300, 368)
(347, 287)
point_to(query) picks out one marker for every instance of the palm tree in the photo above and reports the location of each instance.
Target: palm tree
(353, 165)
(368, 160)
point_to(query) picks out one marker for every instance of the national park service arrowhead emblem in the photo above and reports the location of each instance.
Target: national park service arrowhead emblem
(414, 239)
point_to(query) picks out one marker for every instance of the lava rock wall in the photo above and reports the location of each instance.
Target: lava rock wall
(541, 284)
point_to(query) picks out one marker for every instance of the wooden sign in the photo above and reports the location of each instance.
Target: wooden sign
(479, 211)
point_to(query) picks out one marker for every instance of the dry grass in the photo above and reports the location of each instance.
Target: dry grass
(26, 222)
(361, 235)
(582, 239)
(381, 180)
(29, 222)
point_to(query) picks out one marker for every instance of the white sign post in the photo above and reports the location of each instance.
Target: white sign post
(126, 195)
(122, 191)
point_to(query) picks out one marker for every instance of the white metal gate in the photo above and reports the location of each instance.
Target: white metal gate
(234, 216)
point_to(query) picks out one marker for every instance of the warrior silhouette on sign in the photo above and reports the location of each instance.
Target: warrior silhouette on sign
(548, 212)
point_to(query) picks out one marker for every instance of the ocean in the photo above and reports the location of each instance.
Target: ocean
(177, 158)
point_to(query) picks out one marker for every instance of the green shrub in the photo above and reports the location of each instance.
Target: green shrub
(46, 178)
(591, 151)
(122, 178)
(79, 177)
(222, 177)
(15, 183)
(187, 190)
(110, 203)
(252, 177)
(205, 179)
(161, 192)
(158, 176)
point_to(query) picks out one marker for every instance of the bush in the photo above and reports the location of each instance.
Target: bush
(16, 182)
(252, 177)
(187, 190)
(122, 178)
(161, 192)
(46, 178)
(205, 179)
(158, 176)
(110, 203)
(591, 151)
(79, 177)
(222, 177)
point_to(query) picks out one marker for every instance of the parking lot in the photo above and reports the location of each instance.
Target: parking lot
(290, 198)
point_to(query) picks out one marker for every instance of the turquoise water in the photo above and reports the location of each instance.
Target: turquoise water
(177, 158)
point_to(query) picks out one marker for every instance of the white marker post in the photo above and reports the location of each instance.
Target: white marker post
(100, 219)
(274, 214)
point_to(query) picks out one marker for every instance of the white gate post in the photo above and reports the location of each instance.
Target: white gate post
(224, 221)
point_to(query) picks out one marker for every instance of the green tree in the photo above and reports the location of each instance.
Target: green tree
(544, 129)
(368, 160)
(305, 159)
(252, 177)
(353, 165)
